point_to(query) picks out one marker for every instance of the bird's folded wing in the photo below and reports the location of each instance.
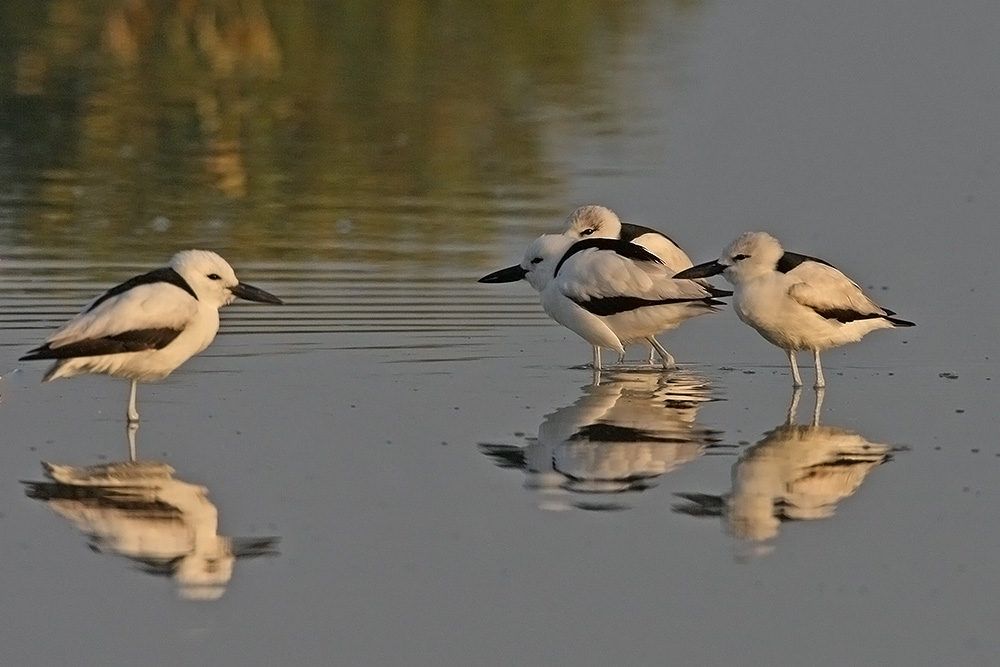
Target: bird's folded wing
(137, 340)
(664, 247)
(157, 306)
(830, 293)
(604, 274)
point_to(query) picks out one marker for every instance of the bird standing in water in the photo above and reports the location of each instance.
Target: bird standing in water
(608, 291)
(594, 221)
(794, 301)
(146, 327)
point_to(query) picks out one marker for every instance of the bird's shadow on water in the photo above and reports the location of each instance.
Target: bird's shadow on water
(795, 472)
(625, 431)
(162, 525)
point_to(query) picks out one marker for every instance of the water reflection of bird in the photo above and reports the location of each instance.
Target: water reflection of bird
(618, 437)
(137, 509)
(608, 291)
(795, 472)
(149, 325)
(794, 301)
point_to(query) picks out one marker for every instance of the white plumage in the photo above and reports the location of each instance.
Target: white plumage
(794, 301)
(146, 327)
(610, 292)
(601, 222)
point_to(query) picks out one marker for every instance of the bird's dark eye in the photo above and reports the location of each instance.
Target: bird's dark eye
(587, 232)
(536, 260)
(737, 258)
(214, 276)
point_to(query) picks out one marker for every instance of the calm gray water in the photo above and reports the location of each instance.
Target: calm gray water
(404, 467)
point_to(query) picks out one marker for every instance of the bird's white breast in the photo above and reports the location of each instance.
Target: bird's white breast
(588, 326)
(765, 304)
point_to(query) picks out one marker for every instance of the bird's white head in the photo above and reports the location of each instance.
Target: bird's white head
(213, 280)
(752, 254)
(539, 263)
(593, 221)
(542, 257)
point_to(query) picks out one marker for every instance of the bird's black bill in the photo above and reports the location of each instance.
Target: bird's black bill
(509, 275)
(705, 270)
(251, 293)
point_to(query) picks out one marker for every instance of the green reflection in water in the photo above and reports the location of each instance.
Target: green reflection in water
(285, 129)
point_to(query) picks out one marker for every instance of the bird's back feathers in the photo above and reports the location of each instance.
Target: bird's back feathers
(162, 275)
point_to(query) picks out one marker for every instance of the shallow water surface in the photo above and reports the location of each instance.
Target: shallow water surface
(401, 466)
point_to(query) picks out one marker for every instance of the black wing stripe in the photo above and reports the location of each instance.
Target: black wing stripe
(630, 232)
(623, 248)
(845, 315)
(613, 305)
(164, 275)
(137, 340)
(790, 260)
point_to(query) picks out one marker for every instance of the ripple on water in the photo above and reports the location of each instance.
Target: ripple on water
(319, 298)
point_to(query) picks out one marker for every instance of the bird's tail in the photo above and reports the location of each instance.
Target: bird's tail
(40, 352)
(712, 289)
(716, 292)
(53, 372)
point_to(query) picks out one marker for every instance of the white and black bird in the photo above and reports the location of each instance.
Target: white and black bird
(608, 291)
(146, 327)
(600, 222)
(794, 301)
(594, 221)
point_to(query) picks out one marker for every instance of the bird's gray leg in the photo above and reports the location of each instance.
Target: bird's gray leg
(794, 406)
(652, 353)
(130, 431)
(668, 359)
(820, 380)
(133, 414)
(597, 358)
(796, 378)
(819, 405)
